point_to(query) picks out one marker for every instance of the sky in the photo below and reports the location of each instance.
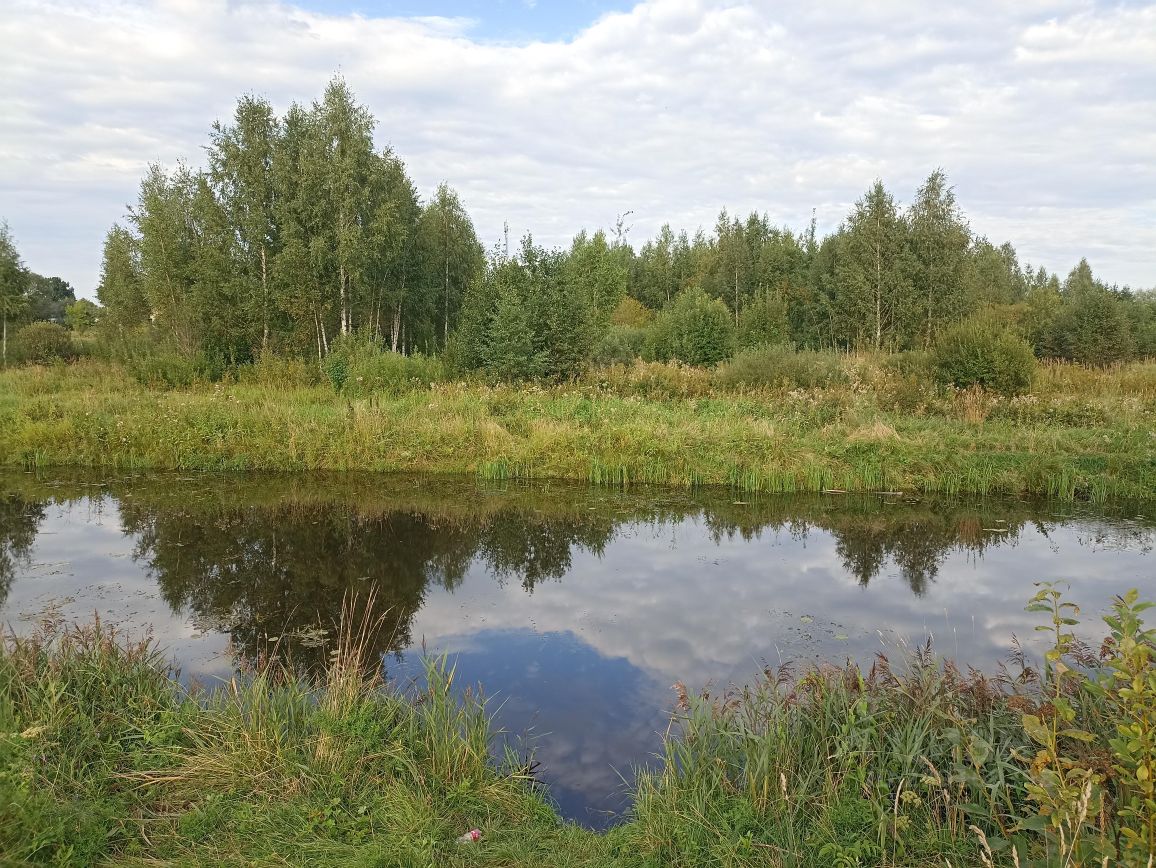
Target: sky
(558, 116)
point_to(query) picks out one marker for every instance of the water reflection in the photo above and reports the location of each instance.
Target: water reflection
(576, 607)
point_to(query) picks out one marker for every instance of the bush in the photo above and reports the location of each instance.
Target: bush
(358, 365)
(763, 321)
(782, 365)
(982, 352)
(619, 345)
(694, 328)
(43, 343)
(631, 312)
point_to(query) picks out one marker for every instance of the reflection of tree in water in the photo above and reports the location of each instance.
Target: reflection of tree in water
(265, 556)
(915, 536)
(536, 549)
(19, 521)
(286, 570)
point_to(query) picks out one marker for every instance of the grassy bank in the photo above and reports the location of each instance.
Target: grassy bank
(104, 759)
(1077, 433)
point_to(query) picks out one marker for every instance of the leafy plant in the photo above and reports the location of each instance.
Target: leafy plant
(782, 365)
(695, 329)
(979, 352)
(42, 343)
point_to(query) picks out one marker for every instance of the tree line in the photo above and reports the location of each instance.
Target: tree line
(297, 234)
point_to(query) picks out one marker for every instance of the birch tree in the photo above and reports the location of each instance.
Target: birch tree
(872, 286)
(12, 300)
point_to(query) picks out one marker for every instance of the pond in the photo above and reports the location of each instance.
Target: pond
(576, 608)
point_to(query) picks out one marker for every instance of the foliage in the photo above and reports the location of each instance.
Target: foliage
(1096, 706)
(297, 232)
(43, 343)
(632, 314)
(619, 344)
(875, 301)
(47, 298)
(12, 300)
(781, 365)
(695, 329)
(980, 352)
(82, 315)
(526, 319)
(763, 321)
(1092, 326)
(358, 365)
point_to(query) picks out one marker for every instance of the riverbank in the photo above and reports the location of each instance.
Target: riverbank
(1078, 433)
(106, 759)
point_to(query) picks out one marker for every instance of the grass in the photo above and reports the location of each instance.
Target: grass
(105, 759)
(1078, 433)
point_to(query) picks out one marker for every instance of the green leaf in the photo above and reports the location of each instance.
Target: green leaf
(1032, 824)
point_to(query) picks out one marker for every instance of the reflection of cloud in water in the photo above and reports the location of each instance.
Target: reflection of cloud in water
(577, 609)
(586, 717)
(81, 564)
(699, 610)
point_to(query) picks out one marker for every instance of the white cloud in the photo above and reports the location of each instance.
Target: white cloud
(1043, 113)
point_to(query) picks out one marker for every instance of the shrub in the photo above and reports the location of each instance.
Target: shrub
(631, 312)
(43, 343)
(782, 365)
(358, 365)
(763, 321)
(620, 344)
(694, 328)
(981, 352)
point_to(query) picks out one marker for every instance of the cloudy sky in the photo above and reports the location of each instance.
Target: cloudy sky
(559, 115)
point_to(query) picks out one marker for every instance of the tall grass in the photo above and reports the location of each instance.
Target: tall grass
(1077, 434)
(105, 759)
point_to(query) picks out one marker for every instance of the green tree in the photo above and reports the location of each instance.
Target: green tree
(873, 304)
(1092, 324)
(939, 241)
(508, 349)
(992, 276)
(12, 285)
(47, 298)
(343, 157)
(763, 321)
(599, 271)
(1044, 301)
(657, 278)
(240, 157)
(451, 254)
(121, 289)
(394, 267)
(82, 315)
(695, 329)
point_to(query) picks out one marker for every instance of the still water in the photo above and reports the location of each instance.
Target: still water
(575, 608)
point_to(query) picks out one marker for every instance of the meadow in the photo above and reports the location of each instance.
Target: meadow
(796, 422)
